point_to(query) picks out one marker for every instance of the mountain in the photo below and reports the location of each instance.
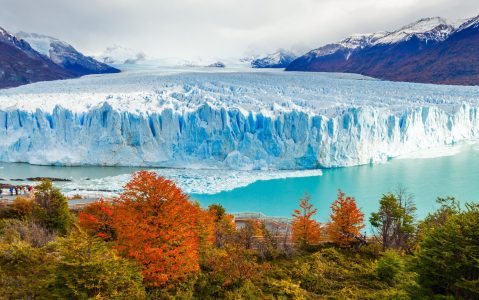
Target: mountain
(430, 50)
(279, 59)
(21, 64)
(217, 64)
(64, 55)
(119, 55)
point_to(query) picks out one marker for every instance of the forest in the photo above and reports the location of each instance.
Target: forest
(154, 242)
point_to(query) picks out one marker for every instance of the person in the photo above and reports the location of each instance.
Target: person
(16, 190)
(11, 190)
(1, 191)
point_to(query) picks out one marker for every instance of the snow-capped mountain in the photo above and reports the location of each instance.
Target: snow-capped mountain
(235, 120)
(64, 55)
(21, 64)
(119, 55)
(279, 59)
(427, 30)
(394, 55)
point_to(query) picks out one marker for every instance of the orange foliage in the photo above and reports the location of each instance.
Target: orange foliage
(96, 219)
(346, 220)
(305, 230)
(156, 224)
(225, 228)
(232, 265)
(205, 227)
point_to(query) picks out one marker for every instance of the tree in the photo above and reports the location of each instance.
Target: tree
(156, 224)
(25, 271)
(448, 257)
(407, 226)
(306, 231)
(347, 220)
(52, 210)
(390, 267)
(88, 269)
(225, 228)
(393, 222)
(449, 207)
(96, 219)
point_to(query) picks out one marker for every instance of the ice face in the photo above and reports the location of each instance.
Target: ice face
(230, 119)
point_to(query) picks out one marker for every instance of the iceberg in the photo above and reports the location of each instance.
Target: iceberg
(224, 119)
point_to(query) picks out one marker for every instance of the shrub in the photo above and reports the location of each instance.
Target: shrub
(87, 269)
(53, 209)
(390, 267)
(448, 257)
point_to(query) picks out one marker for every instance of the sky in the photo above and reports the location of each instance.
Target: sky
(217, 28)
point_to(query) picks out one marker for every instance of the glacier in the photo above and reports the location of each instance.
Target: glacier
(230, 119)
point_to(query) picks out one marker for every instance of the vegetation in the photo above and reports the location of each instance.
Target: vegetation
(347, 221)
(153, 242)
(306, 231)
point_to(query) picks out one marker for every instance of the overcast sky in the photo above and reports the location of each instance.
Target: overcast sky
(217, 28)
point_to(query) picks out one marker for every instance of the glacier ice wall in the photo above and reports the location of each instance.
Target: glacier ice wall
(228, 137)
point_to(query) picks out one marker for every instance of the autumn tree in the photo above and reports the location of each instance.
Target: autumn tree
(225, 228)
(96, 219)
(156, 224)
(306, 231)
(347, 220)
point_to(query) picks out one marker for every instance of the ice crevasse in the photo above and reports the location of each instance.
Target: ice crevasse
(229, 120)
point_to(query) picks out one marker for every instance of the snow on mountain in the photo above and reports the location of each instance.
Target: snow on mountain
(41, 43)
(348, 44)
(427, 29)
(233, 120)
(278, 59)
(431, 50)
(469, 23)
(64, 55)
(21, 64)
(119, 55)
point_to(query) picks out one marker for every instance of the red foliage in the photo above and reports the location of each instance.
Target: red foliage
(157, 225)
(96, 219)
(305, 230)
(346, 220)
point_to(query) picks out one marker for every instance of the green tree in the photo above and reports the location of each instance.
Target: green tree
(87, 268)
(448, 257)
(448, 207)
(25, 271)
(52, 209)
(394, 222)
(390, 267)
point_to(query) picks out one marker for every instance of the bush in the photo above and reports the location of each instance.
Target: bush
(390, 267)
(87, 268)
(13, 230)
(448, 257)
(53, 209)
(25, 271)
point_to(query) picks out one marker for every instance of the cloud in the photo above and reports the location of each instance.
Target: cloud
(217, 28)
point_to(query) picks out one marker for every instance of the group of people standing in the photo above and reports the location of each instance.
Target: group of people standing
(15, 190)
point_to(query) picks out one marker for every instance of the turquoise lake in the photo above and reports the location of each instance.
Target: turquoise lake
(426, 178)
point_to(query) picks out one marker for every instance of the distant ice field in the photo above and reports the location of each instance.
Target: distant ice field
(152, 89)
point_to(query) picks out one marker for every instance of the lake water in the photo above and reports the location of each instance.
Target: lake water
(426, 178)
(455, 173)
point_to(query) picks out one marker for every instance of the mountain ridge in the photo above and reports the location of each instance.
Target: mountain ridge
(414, 53)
